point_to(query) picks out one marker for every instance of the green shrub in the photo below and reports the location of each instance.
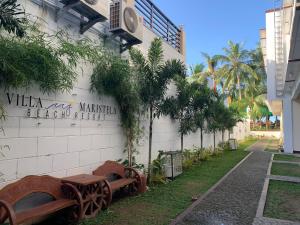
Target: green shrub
(205, 154)
(113, 76)
(187, 164)
(38, 58)
(158, 169)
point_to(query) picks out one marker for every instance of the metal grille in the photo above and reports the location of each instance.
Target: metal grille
(115, 15)
(155, 20)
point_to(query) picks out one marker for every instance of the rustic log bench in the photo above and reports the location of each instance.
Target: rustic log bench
(119, 177)
(59, 196)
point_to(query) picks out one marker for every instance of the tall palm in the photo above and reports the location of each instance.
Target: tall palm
(211, 71)
(11, 17)
(154, 75)
(180, 107)
(236, 71)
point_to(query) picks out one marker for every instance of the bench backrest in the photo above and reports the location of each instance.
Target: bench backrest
(110, 168)
(15, 192)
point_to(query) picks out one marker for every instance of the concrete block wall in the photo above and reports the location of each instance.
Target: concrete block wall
(67, 145)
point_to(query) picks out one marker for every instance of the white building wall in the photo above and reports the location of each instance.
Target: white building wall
(270, 56)
(288, 124)
(67, 146)
(296, 125)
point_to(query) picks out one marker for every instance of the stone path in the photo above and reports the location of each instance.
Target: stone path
(234, 201)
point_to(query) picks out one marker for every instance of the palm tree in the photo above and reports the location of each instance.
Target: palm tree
(215, 116)
(197, 74)
(153, 76)
(180, 107)
(11, 18)
(236, 71)
(211, 71)
(202, 100)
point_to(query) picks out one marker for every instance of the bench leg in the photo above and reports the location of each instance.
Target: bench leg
(71, 192)
(107, 195)
(7, 213)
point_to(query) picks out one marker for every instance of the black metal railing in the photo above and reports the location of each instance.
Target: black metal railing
(155, 20)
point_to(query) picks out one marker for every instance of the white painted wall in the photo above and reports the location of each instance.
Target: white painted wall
(270, 56)
(68, 146)
(288, 124)
(271, 134)
(296, 125)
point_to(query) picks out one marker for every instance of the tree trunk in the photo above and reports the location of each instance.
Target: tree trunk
(214, 140)
(228, 135)
(129, 149)
(239, 86)
(150, 145)
(181, 142)
(267, 122)
(214, 83)
(223, 133)
(201, 137)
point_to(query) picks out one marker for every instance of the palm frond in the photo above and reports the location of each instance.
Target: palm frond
(11, 17)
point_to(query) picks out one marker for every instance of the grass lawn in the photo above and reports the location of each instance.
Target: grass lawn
(163, 203)
(283, 201)
(284, 169)
(289, 158)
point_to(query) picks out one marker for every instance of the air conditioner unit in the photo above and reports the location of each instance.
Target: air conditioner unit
(91, 9)
(125, 21)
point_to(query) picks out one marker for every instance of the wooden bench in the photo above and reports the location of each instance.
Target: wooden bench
(59, 196)
(119, 177)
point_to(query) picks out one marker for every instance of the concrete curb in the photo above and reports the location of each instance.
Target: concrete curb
(263, 197)
(285, 178)
(260, 219)
(286, 162)
(272, 221)
(190, 209)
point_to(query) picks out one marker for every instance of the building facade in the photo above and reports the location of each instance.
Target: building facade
(64, 141)
(281, 44)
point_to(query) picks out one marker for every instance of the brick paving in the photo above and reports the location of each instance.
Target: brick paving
(234, 201)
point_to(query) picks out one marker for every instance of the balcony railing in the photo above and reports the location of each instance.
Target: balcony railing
(155, 20)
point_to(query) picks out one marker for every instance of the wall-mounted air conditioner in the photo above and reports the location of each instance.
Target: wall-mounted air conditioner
(125, 21)
(94, 10)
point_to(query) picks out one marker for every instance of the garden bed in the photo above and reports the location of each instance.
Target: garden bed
(284, 169)
(283, 201)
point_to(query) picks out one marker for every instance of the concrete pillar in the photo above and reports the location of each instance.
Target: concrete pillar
(182, 42)
(296, 125)
(288, 124)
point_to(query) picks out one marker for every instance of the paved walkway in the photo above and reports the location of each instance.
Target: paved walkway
(234, 201)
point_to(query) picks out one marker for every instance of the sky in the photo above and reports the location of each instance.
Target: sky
(209, 25)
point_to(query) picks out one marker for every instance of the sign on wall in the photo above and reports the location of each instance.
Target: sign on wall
(36, 107)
